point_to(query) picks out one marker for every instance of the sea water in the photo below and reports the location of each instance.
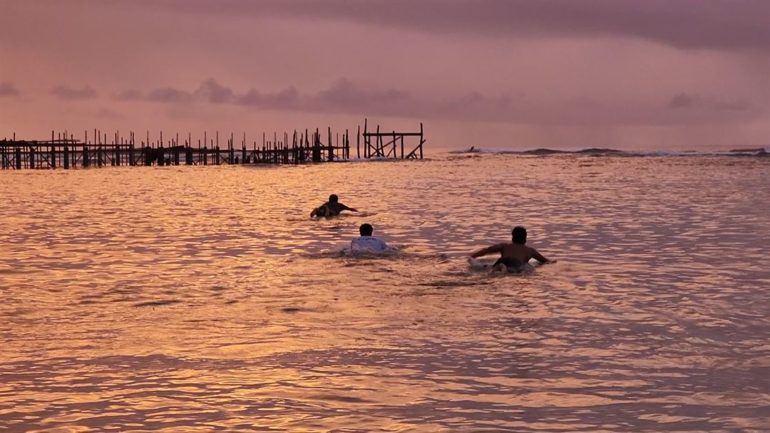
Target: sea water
(184, 299)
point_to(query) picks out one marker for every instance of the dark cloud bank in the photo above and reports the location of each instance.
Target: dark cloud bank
(685, 24)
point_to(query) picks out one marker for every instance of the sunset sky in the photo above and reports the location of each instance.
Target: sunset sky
(629, 74)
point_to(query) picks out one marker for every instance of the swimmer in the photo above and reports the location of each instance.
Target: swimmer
(331, 208)
(514, 256)
(367, 242)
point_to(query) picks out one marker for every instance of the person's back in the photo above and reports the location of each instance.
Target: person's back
(519, 252)
(331, 208)
(514, 255)
(366, 242)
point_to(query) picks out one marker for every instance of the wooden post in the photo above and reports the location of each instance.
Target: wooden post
(148, 154)
(347, 144)
(160, 154)
(18, 157)
(53, 151)
(316, 147)
(421, 140)
(394, 146)
(188, 155)
(115, 149)
(243, 149)
(118, 153)
(66, 156)
(231, 150)
(275, 149)
(358, 143)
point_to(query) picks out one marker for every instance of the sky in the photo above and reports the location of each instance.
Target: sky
(507, 74)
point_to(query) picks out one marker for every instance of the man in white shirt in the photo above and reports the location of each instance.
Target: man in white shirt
(367, 242)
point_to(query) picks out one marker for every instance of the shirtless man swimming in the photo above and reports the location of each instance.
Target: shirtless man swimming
(514, 256)
(331, 208)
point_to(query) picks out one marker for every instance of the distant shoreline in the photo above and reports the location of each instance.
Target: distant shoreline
(599, 151)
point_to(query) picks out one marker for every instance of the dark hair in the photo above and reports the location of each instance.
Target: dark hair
(519, 235)
(333, 198)
(366, 229)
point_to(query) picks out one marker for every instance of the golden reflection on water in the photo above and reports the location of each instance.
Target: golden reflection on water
(199, 299)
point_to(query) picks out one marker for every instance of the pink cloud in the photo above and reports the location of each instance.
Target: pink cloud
(211, 91)
(344, 96)
(688, 101)
(8, 89)
(74, 93)
(286, 99)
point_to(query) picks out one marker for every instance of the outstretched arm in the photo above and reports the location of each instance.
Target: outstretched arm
(488, 250)
(541, 258)
(343, 207)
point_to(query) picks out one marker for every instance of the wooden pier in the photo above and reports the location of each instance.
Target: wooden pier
(386, 144)
(63, 150)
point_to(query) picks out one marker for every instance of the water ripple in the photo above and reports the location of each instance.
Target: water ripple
(204, 298)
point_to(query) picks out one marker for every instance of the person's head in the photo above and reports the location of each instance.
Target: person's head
(519, 235)
(333, 198)
(366, 229)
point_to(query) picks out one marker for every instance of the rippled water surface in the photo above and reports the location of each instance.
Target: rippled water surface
(183, 299)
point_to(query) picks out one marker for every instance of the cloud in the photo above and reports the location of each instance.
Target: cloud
(129, 95)
(344, 96)
(686, 24)
(214, 92)
(286, 99)
(208, 91)
(683, 100)
(688, 101)
(477, 106)
(108, 114)
(733, 105)
(8, 89)
(74, 94)
(169, 95)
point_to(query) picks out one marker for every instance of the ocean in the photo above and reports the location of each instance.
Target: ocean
(202, 299)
